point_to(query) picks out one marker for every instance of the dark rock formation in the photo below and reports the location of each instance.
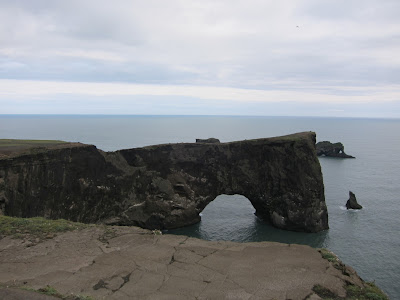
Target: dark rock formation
(326, 148)
(352, 202)
(208, 141)
(167, 186)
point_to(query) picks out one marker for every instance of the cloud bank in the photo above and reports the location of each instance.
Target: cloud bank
(258, 53)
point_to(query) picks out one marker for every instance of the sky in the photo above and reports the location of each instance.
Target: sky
(336, 58)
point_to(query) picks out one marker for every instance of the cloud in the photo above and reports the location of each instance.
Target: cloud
(26, 88)
(301, 50)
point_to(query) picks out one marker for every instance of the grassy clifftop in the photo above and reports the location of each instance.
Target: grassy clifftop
(11, 147)
(36, 227)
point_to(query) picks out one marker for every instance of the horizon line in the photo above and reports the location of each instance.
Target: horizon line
(200, 115)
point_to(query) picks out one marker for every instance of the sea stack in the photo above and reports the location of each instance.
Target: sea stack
(329, 149)
(352, 202)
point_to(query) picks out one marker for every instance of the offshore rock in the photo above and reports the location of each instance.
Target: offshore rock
(167, 186)
(352, 202)
(326, 148)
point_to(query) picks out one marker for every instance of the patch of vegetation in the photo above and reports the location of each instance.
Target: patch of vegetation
(16, 143)
(336, 262)
(325, 293)
(328, 255)
(10, 147)
(369, 292)
(36, 227)
(50, 291)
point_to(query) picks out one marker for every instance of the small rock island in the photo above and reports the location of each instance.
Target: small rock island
(329, 149)
(352, 202)
(166, 186)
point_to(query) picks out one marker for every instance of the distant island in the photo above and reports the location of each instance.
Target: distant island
(329, 149)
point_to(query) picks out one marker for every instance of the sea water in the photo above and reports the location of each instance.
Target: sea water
(368, 240)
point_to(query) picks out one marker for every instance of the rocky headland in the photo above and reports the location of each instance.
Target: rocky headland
(329, 149)
(164, 186)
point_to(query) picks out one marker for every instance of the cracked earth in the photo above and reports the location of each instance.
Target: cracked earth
(133, 263)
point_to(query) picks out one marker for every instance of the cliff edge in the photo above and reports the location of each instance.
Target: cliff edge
(113, 262)
(166, 186)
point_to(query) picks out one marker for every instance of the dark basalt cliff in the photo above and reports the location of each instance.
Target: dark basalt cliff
(167, 186)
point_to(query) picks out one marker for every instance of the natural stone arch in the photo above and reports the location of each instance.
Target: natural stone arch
(166, 186)
(280, 176)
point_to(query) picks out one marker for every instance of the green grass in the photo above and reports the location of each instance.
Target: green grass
(16, 143)
(9, 147)
(50, 291)
(369, 292)
(40, 228)
(328, 255)
(37, 227)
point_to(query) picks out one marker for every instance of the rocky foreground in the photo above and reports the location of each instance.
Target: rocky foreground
(100, 262)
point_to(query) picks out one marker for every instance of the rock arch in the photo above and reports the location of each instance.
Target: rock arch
(167, 186)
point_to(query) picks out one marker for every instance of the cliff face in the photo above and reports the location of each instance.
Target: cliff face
(167, 186)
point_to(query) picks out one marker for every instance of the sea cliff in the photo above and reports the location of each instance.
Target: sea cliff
(166, 186)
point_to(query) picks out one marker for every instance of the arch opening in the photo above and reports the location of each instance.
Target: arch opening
(227, 217)
(233, 218)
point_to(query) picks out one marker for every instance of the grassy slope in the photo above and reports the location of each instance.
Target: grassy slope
(35, 227)
(28, 143)
(11, 147)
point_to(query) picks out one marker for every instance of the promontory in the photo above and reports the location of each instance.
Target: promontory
(164, 186)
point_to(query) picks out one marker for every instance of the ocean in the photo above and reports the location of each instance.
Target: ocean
(368, 240)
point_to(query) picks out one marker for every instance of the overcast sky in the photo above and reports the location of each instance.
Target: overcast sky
(297, 57)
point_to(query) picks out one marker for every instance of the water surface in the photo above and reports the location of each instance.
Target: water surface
(368, 239)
